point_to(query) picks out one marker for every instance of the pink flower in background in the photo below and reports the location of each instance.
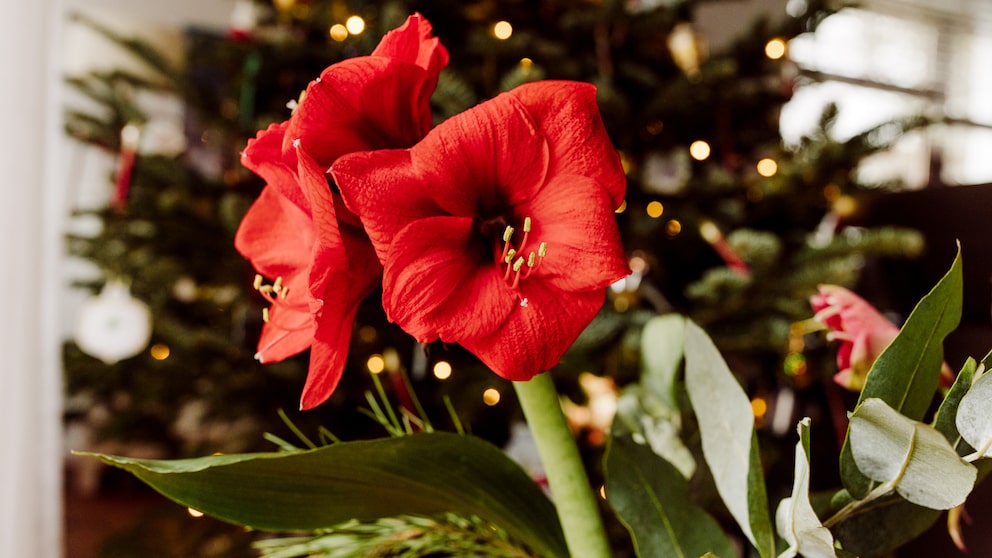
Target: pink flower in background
(863, 332)
(861, 329)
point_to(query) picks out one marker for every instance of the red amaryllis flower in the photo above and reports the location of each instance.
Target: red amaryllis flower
(497, 231)
(863, 332)
(298, 231)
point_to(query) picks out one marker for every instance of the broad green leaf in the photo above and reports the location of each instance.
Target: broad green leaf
(422, 474)
(905, 375)
(730, 446)
(662, 342)
(974, 416)
(797, 523)
(945, 419)
(652, 500)
(885, 525)
(911, 456)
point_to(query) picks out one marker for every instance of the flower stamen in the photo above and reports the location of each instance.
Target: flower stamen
(520, 264)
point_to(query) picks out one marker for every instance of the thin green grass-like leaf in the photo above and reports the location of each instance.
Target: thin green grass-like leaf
(423, 474)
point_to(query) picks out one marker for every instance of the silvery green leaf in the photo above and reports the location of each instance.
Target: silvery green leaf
(662, 341)
(726, 425)
(974, 416)
(945, 420)
(797, 523)
(913, 457)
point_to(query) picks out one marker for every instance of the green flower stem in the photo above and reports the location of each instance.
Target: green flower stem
(574, 499)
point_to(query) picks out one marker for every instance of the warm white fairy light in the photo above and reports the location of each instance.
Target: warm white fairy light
(502, 30)
(442, 370)
(767, 167)
(775, 48)
(355, 25)
(338, 32)
(655, 209)
(490, 397)
(159, 351)
(623, 207)
(194, 513)
(376, 364)
(699, 150)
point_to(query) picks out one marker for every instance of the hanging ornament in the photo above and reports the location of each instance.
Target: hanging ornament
(712, 235)
(113, 325)
(666, 173)
(243, 21)
(130, 136)
(688, 48)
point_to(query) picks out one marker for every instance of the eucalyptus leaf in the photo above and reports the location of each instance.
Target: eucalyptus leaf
(945, 421)
(662, 342)
(796, 521)
(912, 457)
(730, 447)
(421, 474)
(906, 373)
(652, 501)
(885, 525)
(974, 416)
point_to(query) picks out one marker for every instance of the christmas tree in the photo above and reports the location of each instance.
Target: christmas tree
(722, 221)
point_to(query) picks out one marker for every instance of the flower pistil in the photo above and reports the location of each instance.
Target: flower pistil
(519, 267)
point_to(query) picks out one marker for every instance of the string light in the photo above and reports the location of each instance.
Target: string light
(767, 167)
(159, 351)
(194, 513)
(502, 30)
(623, 207)
(759, 407)
(339, 32)
(673, 228)
(775, 48)
(376, 364)
(602, 491)
(491, 397)
(699, 150)
(655, 209)
(355, 25)
(442, 370)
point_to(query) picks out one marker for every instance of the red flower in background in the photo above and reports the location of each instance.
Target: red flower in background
(298, 231)
(863, 332)
(497, 231)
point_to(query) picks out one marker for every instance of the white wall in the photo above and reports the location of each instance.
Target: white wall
(30, 518)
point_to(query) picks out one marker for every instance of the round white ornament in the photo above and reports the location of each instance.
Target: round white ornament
(113, 325)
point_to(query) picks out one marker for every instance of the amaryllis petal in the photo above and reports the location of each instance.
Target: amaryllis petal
(535, 337)
(359, 104)
(440, 282)
(573, 217)
(275, 251)
(264, 156)
(569, 118)
(470, 165)
(412, 43)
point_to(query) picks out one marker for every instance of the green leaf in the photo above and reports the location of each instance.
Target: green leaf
(945, 419)
(974, 416)
(905, 375)
(796, 520)
(885, 525)
(422, 474)
(652, 500)
(662, 342)
(730, 447)
(912, 457)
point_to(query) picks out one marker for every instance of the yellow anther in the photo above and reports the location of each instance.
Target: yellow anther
(542, 250)
(518, 264)
(526, 224)
(257, 284)
(265, 315)
(510, 255)
(531, 258)
(508, 233)
(277, 285)
(284, 292)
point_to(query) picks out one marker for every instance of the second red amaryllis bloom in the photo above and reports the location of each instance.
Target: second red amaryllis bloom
(497, 231)
(298, 232)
